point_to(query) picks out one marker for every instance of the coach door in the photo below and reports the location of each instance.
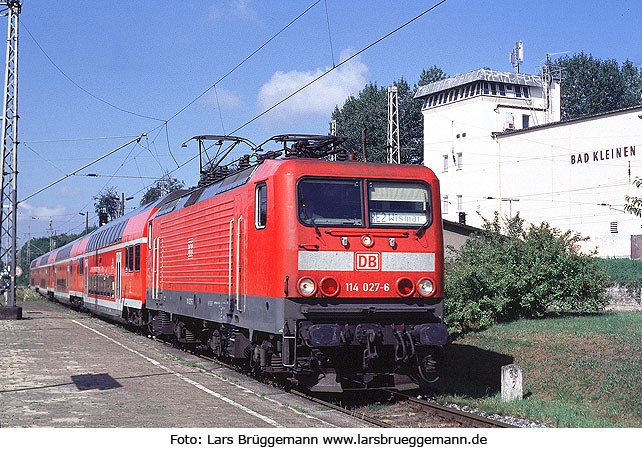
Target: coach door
(86, 276)
(154, 247)
(118, 261)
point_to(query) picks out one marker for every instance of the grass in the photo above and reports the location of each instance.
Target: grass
(578, 371)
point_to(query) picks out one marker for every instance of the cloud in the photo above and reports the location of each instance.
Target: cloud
(317, 100)
(226, 99)
(240, 9)
(28, 211)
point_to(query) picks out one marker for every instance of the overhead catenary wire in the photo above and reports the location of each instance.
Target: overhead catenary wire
(81, 168)
(238, 65)
(179, 166)
(305, 85)
(344, 61)
(127, 111)
(327, 20)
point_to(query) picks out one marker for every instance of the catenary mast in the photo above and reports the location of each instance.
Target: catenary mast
(8, 178)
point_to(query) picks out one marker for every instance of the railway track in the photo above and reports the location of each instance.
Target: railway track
(439, 415)
(465, 419)
(425, 414)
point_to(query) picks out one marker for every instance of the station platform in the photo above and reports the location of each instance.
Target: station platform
(61, 368)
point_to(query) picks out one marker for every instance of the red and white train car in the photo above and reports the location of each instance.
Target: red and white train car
(329, 273)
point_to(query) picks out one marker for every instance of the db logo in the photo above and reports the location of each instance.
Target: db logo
(367, 261)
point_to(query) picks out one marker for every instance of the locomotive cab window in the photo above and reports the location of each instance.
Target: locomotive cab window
(330, 202)
(260, 206)
(392, 203)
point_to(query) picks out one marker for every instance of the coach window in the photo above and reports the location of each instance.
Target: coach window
(130, 258)
(150, 236)
(260, 206)
(137, 257)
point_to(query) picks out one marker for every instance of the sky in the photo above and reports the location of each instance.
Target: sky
(93, 76)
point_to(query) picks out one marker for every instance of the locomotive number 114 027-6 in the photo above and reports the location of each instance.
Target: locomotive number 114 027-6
(367, 287)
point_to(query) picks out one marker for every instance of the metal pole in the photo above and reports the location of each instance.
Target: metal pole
(8, 179)
(392, 142)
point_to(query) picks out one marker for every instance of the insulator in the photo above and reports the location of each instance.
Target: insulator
(244, 162)
(342, 155)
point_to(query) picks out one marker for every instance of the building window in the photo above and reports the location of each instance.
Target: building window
(460, 160)
(526, 94)
(445, 209)
(460, 203)
(445, 162)
(525, 121)
(613, 227)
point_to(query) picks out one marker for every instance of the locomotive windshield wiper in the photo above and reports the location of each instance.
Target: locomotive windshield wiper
(424, 226)
(421, 230)
(308, 217)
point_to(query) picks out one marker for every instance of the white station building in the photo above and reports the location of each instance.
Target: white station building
(496, 141)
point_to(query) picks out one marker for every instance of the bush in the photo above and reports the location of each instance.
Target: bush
(509, 272)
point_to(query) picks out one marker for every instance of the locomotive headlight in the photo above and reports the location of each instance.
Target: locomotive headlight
(307, 287)
(367, 241)
(425, 287)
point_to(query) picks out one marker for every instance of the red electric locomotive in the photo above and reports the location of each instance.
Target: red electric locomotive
(329, 273)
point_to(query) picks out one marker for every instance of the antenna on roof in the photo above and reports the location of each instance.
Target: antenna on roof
(517, 55)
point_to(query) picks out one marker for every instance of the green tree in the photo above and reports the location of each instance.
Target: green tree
(108, 201)
(369, 110)
(430, 75)
(163, 186)
(592, 85)
(510, 271)
(633, 203)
